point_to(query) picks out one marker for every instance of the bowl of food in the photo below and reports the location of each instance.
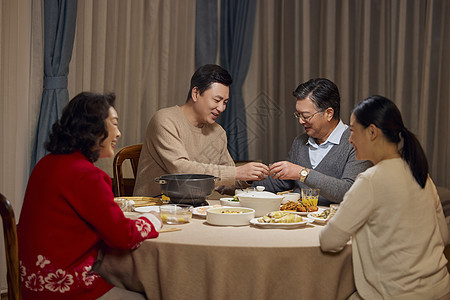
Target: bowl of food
(230, 201)
(261, 201)
(176, 213)
(229, 216)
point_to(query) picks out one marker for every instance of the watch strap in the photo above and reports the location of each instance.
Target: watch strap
(303, 174)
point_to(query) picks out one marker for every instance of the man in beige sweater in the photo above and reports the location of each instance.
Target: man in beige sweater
(187, 139)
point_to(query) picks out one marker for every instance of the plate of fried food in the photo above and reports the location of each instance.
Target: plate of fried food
(280, 219)
(297, 207)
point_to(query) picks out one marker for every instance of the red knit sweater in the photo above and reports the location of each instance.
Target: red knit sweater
(68, 211)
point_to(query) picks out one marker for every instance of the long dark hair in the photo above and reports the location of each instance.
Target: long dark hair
(82, 125)
(207, 75)
(384, 114)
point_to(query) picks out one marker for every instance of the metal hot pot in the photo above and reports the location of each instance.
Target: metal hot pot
(187, 188)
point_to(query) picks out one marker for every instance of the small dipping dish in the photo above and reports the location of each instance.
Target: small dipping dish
(176, 213)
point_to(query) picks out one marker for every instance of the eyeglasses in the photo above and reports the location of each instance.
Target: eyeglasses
(305, 118)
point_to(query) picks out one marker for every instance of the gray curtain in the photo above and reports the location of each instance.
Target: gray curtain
(59, 31)
(237, 19)
(206, 22)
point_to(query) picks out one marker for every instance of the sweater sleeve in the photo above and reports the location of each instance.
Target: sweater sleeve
(352, 214)
(333, 188)
(443, 227)
(172, 152)
(93, 200)
(333, 239)
(275, 185)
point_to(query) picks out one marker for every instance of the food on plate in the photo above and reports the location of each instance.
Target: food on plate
(172, 219)
(280, 217)
(298, 207)
(326, 214)
(227, 211)
(202, 209)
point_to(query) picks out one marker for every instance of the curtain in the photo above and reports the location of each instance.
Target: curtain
(21, 68)
(206, 40)
(237, 19)
(395, 48)
(142, 50)
(59, 32)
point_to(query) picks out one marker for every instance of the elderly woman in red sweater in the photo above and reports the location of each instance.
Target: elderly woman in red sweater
(69, 209)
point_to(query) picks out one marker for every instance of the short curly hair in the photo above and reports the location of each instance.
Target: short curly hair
(82, 125)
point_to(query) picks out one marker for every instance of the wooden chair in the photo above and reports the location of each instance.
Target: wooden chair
(11, 248)
(132, 153)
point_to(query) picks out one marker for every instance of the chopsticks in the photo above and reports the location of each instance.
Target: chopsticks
(146, 204)
(284, 192)
(169, 229)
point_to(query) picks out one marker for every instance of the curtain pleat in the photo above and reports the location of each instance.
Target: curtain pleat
(59, 32)
(398, 49)
(206, 32)
(143, 51)
(237, 19)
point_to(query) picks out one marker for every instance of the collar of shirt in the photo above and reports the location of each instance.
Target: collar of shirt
(334, 138)
(318, 152)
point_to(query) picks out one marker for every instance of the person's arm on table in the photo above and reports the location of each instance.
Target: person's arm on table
(98, 208)
(333, 188)
(275, 185)
(352, 214)
(333, 239)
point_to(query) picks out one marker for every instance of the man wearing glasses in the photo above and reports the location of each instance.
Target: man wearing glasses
(322, 157)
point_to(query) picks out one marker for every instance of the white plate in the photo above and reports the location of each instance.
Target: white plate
(146, 209)
(313, 215)
(304, 213)
(200, 211)
(280, 225)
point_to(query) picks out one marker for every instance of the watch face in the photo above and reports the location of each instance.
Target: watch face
(304, 173)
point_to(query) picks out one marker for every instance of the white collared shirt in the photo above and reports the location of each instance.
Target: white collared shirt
(318, 152)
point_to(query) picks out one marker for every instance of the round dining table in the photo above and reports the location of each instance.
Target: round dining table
(203, 261)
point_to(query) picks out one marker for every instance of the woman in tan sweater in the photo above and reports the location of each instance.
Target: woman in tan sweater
(392, 212)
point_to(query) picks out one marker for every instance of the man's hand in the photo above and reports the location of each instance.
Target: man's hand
(285, 170)
(252, 171)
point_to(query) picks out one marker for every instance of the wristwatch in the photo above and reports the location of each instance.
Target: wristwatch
(303, 173)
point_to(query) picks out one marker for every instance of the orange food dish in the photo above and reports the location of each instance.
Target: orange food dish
(298, 207)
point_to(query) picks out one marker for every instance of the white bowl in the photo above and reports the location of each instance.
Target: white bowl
(223, 216)
(262, 202)
(229, 202)
(294, 197)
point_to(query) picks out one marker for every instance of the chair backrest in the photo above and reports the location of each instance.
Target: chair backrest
(132, 153)
(12, 249)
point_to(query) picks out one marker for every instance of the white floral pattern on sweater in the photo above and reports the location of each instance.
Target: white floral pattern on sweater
(59, 281)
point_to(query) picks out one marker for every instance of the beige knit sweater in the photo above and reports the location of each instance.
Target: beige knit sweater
(398, 235)
(173, 145)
